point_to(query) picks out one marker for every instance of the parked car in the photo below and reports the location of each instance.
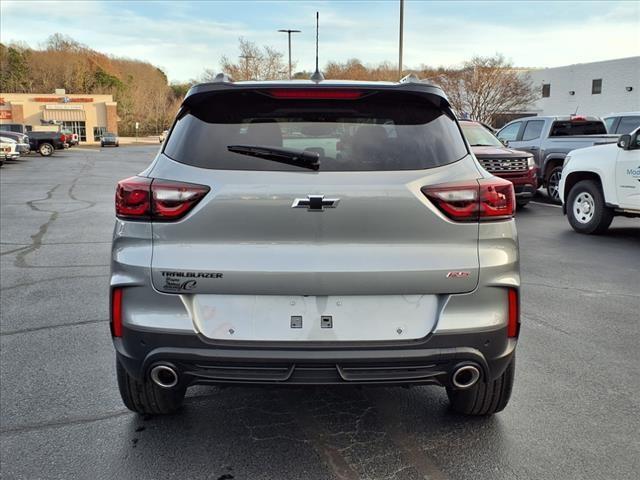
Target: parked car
(8, 149)
(22, 141)
(621, 123)
(109, 139)
(45, 143)
(513, 165)
(241, 256)
(549, 139)
(601, 182)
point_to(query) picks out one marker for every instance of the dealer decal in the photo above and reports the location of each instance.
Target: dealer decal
(180, 281)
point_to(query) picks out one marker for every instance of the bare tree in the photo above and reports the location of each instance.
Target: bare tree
(255, 63)
(485, 86)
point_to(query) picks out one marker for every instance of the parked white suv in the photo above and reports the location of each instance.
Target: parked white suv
(601, 182)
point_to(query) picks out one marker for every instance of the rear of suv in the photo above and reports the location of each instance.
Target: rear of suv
(303, 233)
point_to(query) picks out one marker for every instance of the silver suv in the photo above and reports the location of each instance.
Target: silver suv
(313, 234)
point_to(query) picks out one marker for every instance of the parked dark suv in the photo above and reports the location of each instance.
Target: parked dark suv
(303, 233)
(514, 165)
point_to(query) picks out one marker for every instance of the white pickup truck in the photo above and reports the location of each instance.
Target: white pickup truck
(600, 182)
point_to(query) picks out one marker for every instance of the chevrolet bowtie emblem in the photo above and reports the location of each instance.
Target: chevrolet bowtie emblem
(315, 203)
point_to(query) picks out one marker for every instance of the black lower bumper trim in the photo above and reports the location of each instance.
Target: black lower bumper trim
(430, 360)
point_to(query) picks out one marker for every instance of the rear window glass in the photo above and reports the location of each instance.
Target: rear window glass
(564, 128)
(380, 131)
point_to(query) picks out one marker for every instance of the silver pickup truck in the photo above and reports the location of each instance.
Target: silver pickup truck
(550, 139)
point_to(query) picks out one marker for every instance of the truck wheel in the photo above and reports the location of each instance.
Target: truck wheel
(586, 210)
(484, 398)
(45, 149)
(553, 184)
(145, 397)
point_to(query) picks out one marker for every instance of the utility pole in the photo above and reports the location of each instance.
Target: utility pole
(401, 39)
(289, 32)
(246, 65)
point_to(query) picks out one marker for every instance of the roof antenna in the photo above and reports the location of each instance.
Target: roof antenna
(317, 75)
(576, 112)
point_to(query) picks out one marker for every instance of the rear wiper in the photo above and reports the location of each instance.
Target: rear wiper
(290, 156)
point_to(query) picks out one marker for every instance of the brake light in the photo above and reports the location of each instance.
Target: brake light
(578, 118)
(315, 94)
(172, 200)
(62, 137)
(513, 327)
(133, 198)
(140, 198)
(116, 312)
(477, 200)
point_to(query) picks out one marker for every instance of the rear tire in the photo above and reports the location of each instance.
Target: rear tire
(522, 203)
(586, 209)
(45, 149)
(553, 184)
(145, 397)
(484, 398)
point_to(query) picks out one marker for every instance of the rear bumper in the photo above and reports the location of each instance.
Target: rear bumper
(429, 361)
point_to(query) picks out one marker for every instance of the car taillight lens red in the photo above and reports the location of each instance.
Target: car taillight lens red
(318, 94)
(513, 327)
(140, 198)
(133, 198)
(477, 200)
(116, 312)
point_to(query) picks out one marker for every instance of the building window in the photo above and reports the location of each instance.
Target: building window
(98, 132)
(596, 86)
(546, 90)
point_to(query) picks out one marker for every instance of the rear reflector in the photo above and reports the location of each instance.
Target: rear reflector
(140, 198)
(116, 312)
(477, 200)
(513, 327)
(318, 94)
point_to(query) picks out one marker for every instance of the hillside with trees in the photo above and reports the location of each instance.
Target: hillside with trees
(142, 90)
(480, 88)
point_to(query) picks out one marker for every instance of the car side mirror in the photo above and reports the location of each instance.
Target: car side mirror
(624, 142)
(504, 142)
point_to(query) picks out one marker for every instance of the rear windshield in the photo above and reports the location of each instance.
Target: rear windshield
(380, 131)
(564, 128)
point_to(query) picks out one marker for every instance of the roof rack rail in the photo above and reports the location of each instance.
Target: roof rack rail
(222, 78)
(411, 78)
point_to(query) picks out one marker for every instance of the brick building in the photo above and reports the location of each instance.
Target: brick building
(87, 115)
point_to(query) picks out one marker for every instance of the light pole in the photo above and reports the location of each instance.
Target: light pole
(401, 32)
(289, 32)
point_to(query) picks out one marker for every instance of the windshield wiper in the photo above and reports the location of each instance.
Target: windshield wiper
(290, 156)
(484, 145)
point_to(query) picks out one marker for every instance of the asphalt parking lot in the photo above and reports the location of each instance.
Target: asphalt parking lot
(573, 414)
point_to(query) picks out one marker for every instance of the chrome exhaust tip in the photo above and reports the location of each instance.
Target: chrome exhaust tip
(164, 376)
(465, 376)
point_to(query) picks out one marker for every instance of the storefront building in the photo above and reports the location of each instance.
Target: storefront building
(89, 116)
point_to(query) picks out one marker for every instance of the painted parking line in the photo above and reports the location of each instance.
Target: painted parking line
(547, 204)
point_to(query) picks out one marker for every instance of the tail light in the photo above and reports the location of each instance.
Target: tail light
(140, 198)
(513, 327)
(62, 137)
(478, 200)
(116, 312)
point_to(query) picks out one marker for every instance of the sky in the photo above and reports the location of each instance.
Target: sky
(184, 38)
